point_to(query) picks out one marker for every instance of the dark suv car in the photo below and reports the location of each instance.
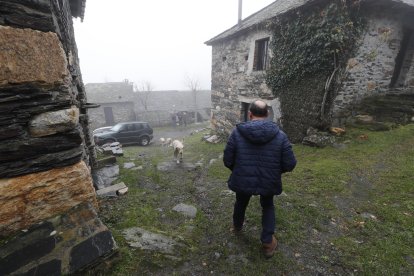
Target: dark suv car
(126, 133)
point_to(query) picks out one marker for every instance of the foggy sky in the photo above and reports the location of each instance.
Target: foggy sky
(160, 41)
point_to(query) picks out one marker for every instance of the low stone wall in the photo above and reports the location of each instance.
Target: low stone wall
(395, 107)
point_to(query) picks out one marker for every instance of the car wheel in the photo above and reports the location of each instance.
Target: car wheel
(144, 141)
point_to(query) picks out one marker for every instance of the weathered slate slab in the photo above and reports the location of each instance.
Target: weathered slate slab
(41, 163)
(19, 103)
(111, 190)
(27, 14)
(28, 155)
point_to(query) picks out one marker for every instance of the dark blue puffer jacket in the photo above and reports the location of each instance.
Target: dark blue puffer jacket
(257, 153)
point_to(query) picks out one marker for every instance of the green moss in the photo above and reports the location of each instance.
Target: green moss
(313, 41)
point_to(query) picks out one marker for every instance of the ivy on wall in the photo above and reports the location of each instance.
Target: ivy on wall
(313, 41)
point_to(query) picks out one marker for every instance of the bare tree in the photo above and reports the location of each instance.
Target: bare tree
(143, 90)
(194, 85)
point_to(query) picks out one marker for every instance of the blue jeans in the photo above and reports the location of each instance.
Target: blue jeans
(268, 214)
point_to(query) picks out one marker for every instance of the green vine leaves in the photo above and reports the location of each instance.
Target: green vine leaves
(312, 42)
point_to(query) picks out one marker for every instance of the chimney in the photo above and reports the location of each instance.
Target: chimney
(240, 13)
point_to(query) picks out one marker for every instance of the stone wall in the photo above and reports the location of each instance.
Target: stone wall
(122, 112)
(234, 81)
(159, 104)
(46, 151)
(370, 72)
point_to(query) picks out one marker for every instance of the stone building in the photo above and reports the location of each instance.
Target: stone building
(48, 220)
(119, 103)
(115, 100)
(381, 68)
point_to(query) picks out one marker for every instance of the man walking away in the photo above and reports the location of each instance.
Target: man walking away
(258, 153)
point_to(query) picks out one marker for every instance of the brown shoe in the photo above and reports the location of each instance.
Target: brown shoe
(236, 230)
(269, 248)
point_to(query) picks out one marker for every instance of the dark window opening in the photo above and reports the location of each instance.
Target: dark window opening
(404, 59)
(261, 54)
(246, 58)
(224, 58)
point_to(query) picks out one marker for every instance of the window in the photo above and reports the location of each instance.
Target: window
(130, 127)
(260, 54)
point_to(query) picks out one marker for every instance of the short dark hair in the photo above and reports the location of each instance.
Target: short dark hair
(258, 110)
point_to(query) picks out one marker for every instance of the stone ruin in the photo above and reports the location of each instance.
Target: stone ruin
(48, 220)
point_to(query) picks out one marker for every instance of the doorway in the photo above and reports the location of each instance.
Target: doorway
(109, 116)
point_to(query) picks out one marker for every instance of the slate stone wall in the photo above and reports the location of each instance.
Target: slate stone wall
(46, 151)
(368, 74)
(61, 245)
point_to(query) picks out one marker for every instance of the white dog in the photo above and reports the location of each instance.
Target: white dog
(165, 141)
(178, 150)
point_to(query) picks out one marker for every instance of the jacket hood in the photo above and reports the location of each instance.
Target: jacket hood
(258, 131)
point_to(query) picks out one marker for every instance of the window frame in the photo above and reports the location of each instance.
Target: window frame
(261, 54)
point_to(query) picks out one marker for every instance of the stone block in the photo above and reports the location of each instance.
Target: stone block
(111, 190)
(54, 122)
(27, 254)
(122, 191)
(31, 56)
(27, 14)
(90, 250)
(60, 245)
(31, 198)
(108, 160)
(371, 85)
(52, 268)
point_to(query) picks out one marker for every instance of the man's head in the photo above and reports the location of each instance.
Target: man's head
(258, 110)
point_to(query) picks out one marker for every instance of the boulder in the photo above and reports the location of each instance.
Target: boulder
(140, 238)
(319, 140)
(186, 210)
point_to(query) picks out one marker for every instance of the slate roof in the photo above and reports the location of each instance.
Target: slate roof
(77, 8)
(274, 9)
(278, 8)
